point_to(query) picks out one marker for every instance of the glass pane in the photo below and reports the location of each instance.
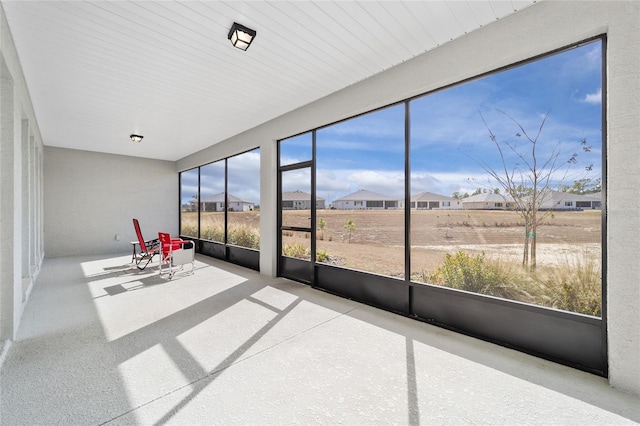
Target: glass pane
(243, 210)
(189, 203)
(296, 198)
(212, 202)
(296, 244)
(506, 176)
(296, 149)
(360, 177)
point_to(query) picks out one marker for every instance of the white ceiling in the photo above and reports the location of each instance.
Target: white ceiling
(98, 71)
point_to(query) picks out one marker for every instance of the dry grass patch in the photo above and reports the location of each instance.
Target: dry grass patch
(568, 276)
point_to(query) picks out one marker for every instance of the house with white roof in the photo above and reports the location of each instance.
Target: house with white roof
(216, 203)
(431, 201)
(487, 201)
(556, 200)
(550, 200)
(300, 200)
(363, 199)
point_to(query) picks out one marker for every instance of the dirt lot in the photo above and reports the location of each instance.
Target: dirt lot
(376, 244)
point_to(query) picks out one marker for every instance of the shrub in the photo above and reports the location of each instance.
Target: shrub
(213, 232)
(573, 286)
(296, 250)
(465, 272)
(476, 274)
(240, 235)
(244, 236)
(189, 229)
(322, 256)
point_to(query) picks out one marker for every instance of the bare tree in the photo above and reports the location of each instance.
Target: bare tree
(527, 184)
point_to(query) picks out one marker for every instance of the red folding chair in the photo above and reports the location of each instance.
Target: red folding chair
(175, 253)
(148, 249)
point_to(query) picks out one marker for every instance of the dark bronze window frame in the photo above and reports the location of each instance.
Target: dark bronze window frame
(243, 256)
(568, 338)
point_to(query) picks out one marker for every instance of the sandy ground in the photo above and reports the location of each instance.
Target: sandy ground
(376, 244)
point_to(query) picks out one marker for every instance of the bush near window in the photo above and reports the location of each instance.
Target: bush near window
(296, 250)
(213, 233)
(573, 286)
(239, 235)
(474, 273)
(189, 230)
(244, 236)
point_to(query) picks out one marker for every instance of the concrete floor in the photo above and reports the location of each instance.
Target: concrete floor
(103, 343)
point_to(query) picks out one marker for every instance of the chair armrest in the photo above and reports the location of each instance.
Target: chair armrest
(180, 241)
(183, 243)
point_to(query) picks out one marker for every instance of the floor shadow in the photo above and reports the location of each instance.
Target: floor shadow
(56, 372)
(547, 374)
(166, 330)
(119, 267)
(412, 385)
(203, 382)
(96, 362)
(551, 376)
(112, 290)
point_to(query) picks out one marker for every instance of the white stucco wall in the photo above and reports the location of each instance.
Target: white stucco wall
(538, 29)
(268, 208)
(21, 251)
(90, 198)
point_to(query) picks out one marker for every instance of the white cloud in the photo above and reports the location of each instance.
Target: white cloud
(297, 180)
(446, 183)
(593, 98)
(333, 184)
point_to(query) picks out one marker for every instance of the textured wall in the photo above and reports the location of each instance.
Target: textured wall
(90, 197)
(623, 186)
(20, 177)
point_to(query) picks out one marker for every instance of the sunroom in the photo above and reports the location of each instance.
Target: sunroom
(510, 99)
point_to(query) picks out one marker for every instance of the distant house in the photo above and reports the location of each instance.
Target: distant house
(366, 200)
(431, 201)
(550, 200)
(216, 203)
(190, 206)
(556, 200)
(486, 201)
(596, 200)
(300, 200)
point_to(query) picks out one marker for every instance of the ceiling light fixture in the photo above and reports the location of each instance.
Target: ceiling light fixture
(241, 36)
(136, 138)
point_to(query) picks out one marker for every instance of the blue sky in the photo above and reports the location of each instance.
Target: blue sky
(243, 174)
(449, 140)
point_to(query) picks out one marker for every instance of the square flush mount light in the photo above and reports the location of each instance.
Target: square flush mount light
(241, 36)
(136, 138)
